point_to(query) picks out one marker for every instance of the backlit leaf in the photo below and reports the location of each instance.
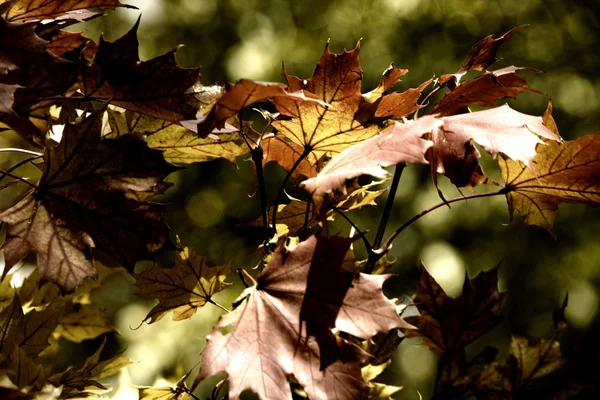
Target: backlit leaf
(35, 10)
(190, 284)
(81, 322)
(284, 326)
(567, 172)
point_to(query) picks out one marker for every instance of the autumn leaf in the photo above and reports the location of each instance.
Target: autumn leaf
(344, 117)
(285, 153)
(484, 90)
(447, 325)
(80, 322)
(389, 78)
(190, 284)
(10, 325)
(403, 143)
(567, 172)
(161, 393)
(15, 394)
(78, 379)
(378, 391)
(284, 326)
(23, 371)
(81, 204)
(531, 367)
(157, 87)
(481, 56)
(181, 145)
(36, 10)
(36, 327)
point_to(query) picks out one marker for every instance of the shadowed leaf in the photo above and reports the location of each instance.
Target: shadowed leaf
(190, 284)
(35, 10)
(81, 322)
(81, 203)
(284, 326)
(447, 325)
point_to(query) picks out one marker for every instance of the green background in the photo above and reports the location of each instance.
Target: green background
(233, 39)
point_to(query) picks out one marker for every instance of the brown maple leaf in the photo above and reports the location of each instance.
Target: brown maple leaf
(344, 117)
(481, 56)
(484, 90)
(37, 10)
(447, 325)
(567, 172)
(82, 202)
(157, 87)
(284, 326)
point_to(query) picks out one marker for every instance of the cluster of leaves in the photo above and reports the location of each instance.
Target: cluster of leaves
(314, 322)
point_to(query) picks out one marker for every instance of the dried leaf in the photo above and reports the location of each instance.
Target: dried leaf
(284, 326)
(81, 203)
(36, 10)
(447, 325)
(157, 87)
(190, 284)
(567, 172)
(286, 153)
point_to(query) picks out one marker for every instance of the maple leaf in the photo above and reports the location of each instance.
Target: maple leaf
(481, 56)
(23, 371)
(10, 325)
(78, 379)
(190, 284)
(80, 322)
(567, 172)
(531, 367)
(285, 153)
(378, 391)
(484, 90)
(403, 143)
(157, 87)
(284, 326)
(447, 325)
(344, 117)
(36, 10)
(81, 203)
(178, 144)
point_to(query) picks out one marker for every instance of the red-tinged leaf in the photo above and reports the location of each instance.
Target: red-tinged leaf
(330, 126)
(497, 130)
(398, 105)
(65, 42)
(567, 172)
(484, 90)
(389, 78)
(286, 153)
(36, 10)
(157, 87)
(237, 97)
(284, 326)
(447, 325)
(83, 201)
(481, 56)
(402, 144)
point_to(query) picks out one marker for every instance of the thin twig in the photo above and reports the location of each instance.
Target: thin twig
(435, 207)
(24, 151)
(385, 216)
(361, 234)
(306, 221)
(22, 180)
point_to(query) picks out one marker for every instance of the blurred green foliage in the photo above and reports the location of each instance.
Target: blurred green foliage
(232, 39)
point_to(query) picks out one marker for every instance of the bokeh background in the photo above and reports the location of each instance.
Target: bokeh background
(233, 39)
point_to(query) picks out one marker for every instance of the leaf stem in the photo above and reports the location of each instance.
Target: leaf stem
(362, 234)
(388, 242)
(304, 154)
(25, 181)
(19, 164)
(24, 151)
(214, 303)
(306, 220)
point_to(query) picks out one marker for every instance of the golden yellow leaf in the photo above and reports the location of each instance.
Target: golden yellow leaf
(188, 285)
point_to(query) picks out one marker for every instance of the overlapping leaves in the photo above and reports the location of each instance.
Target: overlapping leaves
(284, 326)
(81, 203)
